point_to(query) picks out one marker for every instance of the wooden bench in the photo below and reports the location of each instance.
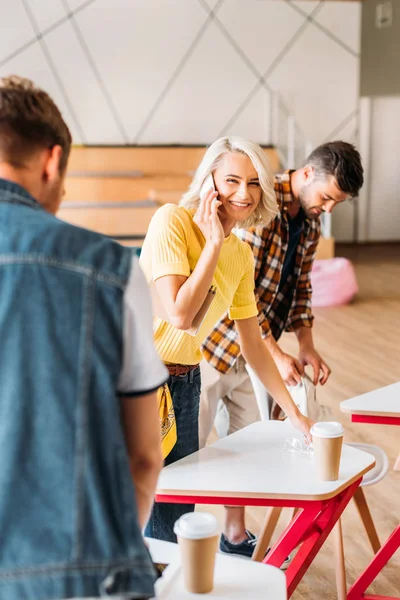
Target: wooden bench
(115, 222)
(116, 190)
(124, 189)
(148, 160)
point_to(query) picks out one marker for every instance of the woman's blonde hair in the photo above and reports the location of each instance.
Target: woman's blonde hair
(267, 208)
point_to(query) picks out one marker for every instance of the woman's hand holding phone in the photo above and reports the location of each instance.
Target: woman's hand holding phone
(207, 219)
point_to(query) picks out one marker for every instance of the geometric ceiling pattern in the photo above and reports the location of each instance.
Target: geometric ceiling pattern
(187, 71)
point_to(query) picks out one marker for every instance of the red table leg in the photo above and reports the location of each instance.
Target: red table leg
(311, 527)
(357, 590)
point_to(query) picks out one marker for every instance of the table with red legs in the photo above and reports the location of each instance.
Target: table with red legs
(252, 468)
(381, 406)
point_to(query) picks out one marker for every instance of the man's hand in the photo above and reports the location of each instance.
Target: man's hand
(289, 367)
(309, 356)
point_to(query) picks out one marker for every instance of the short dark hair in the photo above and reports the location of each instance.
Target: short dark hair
(29, 121)
(343, 161)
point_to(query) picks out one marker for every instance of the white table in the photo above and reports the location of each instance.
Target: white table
(381, 406)
(234, 579)
(251, 463)
(250, 468)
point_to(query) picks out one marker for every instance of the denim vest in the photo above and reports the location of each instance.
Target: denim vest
(68, 518)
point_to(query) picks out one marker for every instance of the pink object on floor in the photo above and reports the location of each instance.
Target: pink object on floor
(333, 282)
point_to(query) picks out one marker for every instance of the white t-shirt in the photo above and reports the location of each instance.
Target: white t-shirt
(142, 370)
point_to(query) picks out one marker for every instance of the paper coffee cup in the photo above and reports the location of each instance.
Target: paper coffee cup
(327, 442)
(197, 534)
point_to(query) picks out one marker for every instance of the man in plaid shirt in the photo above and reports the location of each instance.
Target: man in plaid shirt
(284, 253)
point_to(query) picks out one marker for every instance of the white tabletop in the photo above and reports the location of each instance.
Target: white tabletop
(251, 463)
(384, 402)
(163, 552)
(234, 578)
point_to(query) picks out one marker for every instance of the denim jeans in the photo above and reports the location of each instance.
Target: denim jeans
(185, 392)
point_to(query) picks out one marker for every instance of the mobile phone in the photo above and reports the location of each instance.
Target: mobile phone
(207, 186)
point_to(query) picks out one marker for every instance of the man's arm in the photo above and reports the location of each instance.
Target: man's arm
(142, 373)
(257, 355)
(290, 369)
(141, 426)
(309, 356)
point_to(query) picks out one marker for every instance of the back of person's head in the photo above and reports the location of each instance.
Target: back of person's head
(29, 122)
(267, 208)
(341, 160)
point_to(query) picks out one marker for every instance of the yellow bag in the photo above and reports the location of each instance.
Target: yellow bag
(167, 420)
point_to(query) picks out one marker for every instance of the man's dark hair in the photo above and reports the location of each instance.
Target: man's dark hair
(29, 121)
(343, 161)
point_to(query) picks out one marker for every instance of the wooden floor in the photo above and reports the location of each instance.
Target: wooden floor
(361, 343)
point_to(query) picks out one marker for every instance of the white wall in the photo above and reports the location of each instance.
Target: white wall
(171, 71)
(160, 71)
(384, 199)
(379, 206)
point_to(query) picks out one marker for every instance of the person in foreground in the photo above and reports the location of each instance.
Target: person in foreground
(188, 249)
(79, 421)
(284, 253)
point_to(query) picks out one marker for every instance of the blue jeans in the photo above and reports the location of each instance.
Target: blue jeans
(185, 392)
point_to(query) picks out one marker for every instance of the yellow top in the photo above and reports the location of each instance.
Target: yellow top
(173, 246)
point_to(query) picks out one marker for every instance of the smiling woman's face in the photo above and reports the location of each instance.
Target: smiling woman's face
(238, 187)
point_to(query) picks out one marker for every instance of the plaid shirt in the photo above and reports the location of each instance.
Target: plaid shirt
(279, 309)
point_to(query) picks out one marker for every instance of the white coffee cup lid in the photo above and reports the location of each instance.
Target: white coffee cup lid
(196, 525)
(327, 429)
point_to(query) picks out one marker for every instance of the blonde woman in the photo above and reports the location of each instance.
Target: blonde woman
(188, 249)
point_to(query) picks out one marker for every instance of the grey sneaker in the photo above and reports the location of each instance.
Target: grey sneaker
(245, 548)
